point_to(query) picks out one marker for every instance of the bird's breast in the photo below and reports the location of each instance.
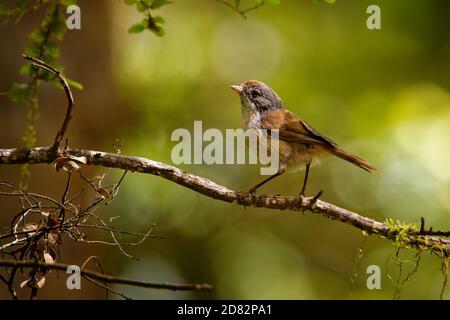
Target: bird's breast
(250, 118)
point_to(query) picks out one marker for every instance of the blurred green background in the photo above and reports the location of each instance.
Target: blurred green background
(382, 94)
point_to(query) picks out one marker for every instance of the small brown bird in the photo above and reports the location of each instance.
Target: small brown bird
(299, 143)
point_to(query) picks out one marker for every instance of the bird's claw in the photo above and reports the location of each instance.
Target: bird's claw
(301, 201)
(312, 202)
(252, 193)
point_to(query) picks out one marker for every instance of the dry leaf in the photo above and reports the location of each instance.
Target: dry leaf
(54, 237)
(52, 252)
(41, 244)
(30, 228)
(45, 214)
(70, 166)
(103, 193)
(60, 162)
(53, 221)
(24, 283)
(82, 159)
(48, 257)
(41, 282)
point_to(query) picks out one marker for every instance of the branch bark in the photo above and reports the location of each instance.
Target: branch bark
(213, 190)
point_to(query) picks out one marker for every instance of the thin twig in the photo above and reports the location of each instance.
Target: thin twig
(115, 243)
(63, 81)
(107, 278)
(242, 13)
(112, 229)
(108, 289)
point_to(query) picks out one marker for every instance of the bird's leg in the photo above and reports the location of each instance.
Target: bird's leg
(302, 192)
(253, 190)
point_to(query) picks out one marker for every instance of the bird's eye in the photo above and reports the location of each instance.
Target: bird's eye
(255, 93)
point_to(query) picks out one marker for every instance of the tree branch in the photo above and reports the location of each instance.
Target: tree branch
(105, 277)
(213, 190)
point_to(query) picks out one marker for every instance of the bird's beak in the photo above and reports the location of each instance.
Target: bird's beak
(238, 89)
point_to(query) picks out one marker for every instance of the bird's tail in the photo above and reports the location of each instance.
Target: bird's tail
(357, 161)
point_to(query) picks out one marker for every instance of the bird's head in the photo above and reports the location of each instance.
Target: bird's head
(258, 96)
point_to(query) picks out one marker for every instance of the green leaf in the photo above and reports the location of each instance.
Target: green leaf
(130, 2)
(159, 3)
(237, 3)
(58, 27)
(3, 9)
(330, 1)
(37, 35)
(52, 61)
(141, 7)
(53, 49)
(138, 27)
(159, 20)
(273, 2)
(25, 69)
(159, 32)
(19, 92)
(46, 75)
(75, 84)
(32, 49)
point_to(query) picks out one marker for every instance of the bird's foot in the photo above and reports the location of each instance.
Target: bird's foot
(252, 193)
(302, 199)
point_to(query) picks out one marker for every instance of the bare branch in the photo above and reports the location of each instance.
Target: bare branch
(107, 278)
(63, 81)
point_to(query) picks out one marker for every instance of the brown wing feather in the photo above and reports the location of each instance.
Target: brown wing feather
(297, 130)
(293, 129)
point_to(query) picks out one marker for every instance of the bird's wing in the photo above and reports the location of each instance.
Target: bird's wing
(294, 129)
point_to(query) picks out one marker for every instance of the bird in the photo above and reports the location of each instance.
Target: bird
(300, 144)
